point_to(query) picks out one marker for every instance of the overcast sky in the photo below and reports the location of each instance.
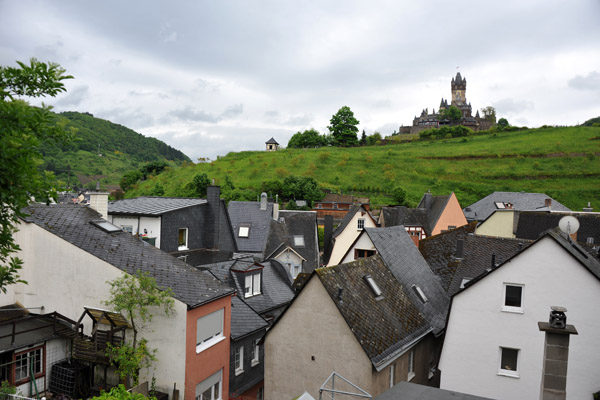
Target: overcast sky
(210, 77)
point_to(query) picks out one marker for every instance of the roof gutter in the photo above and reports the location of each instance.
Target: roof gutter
(230, 293)
(392, 357)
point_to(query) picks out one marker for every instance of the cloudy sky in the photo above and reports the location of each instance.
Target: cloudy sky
(210, 77)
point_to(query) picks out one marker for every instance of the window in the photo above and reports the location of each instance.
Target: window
(499, 205)
(361, 224)
(244, 231)
(127, 228)
(182, 242)
(260, 394)
(411, 365)
(299, 240)
(209, 330)
(239, 360)
(210, 388)
(26, 361)
(252, 285)
(335, 205)
(513, 298)
(255, 353)
(392, 371)
(294, 270)
(509, 362)
(361, 253)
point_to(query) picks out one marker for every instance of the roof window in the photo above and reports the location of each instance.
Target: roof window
(244, 231)
(420, 293)
(499, 205)
(106, 226)
(374, 287)
(299, 240)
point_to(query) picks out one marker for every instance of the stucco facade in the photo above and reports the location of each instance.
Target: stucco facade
(344, 240)
(144, 226)
(478, 327)
(451, 217)
(499, 224)
(363, 243)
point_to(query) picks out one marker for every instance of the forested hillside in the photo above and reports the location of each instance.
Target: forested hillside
(103, 151)
(562, 162)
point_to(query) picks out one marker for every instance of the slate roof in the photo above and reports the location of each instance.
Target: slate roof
(126, 252)
(249, 213)
(408, 266)
(151, 206)
(271, 141)
(412, 391)
(435, 209)
(244, 320)
(402, 215)
(382, 327)
(440, 252)
(531, 225)
(348, 218)
(290, 224)
(521, 201)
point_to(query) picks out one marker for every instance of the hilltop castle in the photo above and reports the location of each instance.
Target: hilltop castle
(459, 99)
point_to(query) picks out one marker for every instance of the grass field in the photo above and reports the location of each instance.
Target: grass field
(563, 162)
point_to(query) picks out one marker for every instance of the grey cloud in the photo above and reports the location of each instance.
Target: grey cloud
(167, 34)
(511, 106)
(136, 93)
(73, 97)
(299, 120)
(188, 114)
(232, 111)
(589, 82)
(132, 118)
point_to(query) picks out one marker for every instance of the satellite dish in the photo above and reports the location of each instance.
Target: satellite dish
(568, 224)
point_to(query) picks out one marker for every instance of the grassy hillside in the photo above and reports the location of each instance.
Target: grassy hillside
(103, 151)
(563, 162)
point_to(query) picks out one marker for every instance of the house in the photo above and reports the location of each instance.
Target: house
(357, 320)
(70, 254)
(176, 225)
(519, 201)
(433, 215)
(337, 205)
(251, 223)
(458, 256)
(294, 241)
(493, 346)
(272, 145)
(357, 219)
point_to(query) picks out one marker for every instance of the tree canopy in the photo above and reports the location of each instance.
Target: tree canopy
(344, 128)
(489, 114)
(452, 113)
(308, 139)
(22, 129)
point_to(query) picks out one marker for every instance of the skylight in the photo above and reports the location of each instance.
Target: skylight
(420, 293)
(299, 240)
(499, 204)
(244, 231)
(106, 226)
(374, 287)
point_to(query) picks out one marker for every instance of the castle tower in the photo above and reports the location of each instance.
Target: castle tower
(459, 89)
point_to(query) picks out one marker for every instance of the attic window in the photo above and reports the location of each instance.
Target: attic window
(106, 226)
(374, 287)
(420, 293)
(244, 231)
(299, 240)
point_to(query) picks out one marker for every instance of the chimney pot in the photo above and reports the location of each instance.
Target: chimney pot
(263, 201)
(548, 203)
(558, 318)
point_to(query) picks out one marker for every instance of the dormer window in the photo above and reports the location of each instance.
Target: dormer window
(252, 284)
(244, 231)
(299, 240)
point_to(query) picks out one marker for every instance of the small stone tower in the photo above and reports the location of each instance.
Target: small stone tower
(272, 145)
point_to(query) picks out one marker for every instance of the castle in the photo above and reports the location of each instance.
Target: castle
(434, 120)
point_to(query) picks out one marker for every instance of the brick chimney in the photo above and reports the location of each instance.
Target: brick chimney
(548, 203)
(556, 355)
(213, 197)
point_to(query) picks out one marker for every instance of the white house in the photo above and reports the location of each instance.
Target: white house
(357, 219)
(493, 346)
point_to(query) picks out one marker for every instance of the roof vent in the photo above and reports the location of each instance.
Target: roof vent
(420, 293)
(374, 287)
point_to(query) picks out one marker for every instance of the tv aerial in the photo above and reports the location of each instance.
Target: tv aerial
(568, 224)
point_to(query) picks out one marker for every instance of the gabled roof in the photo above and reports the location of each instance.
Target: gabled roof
(337, 198)
(412, 391)
(248, 213)
(244, 320)
(402, 215)
(408, 266)
(434, 206)
(532, 224)
(459, 254)
(384, 326)
(290, 224)
(520, 201)
(348, 218)
(271, 141)
(152, 206)
(72, 223)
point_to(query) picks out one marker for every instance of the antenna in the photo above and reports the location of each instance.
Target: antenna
(568, 224)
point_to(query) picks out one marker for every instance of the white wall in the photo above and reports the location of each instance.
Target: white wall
(345, 239)
(363, 243)
(477, 327)
(151, 224)
(500, 223)
(63, 278)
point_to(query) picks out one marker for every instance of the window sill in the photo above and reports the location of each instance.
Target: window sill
(203, 346)
(514, 310)
(238, 372)
(509, 374)
(411, 375)
(254, 363)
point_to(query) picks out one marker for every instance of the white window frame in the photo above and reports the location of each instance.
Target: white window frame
(298, 240)
(252, 284)
(508, 372)
(295, 269)
(215, 389)
(127, 228)
(512, 309)
(255, 353)
(411, 366)
(183, 246)
(238, 362)
(203, 343)
(360, 224)
(244, 231)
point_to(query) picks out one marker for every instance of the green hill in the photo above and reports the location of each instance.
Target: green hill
(562, 162)
(103, 151)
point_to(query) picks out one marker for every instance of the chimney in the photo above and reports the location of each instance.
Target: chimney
(327, 233)
(556, 355)
(99, 203)
(459, 248)
(263, 201)
(588, 208)
(493, 261)
(427, 200)
(548, 203)
(276, 211)
(213, 198)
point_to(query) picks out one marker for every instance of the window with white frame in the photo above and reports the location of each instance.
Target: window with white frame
(25, 362)
(509, 362)
(127, 228)
(244, 231)
(295, 270)
(513, 298)
(255, 352)
(361, 224)
(210, 388)
(411, 365)
(299, 240)
(209, 330)
(239, 360)
(252, 284)
(182, 242)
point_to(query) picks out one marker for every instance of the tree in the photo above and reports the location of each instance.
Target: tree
(129, 179)
(502, 124)
(22, 129)
(200, 183)
(373, 139)
(489, 114)
(399, 195)
(343, 127)
(310, 138)
(452, 113)
(301, 187)
(363, 139)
